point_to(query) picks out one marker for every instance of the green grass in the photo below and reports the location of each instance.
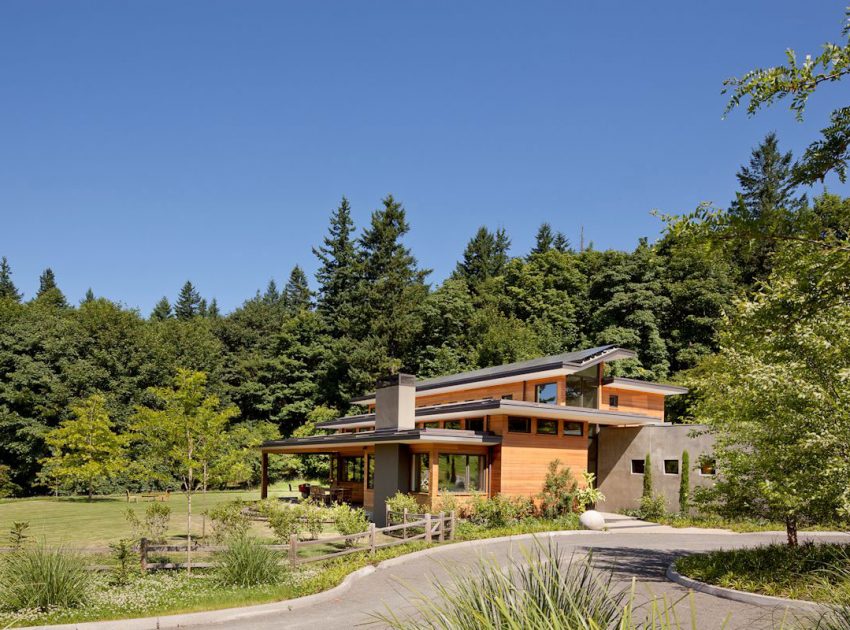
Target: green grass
(740, 525)
(816, 572)
(76, 522)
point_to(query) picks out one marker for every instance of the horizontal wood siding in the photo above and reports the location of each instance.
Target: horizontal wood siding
(634, 402)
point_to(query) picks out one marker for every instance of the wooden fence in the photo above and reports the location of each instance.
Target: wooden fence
(426, 527)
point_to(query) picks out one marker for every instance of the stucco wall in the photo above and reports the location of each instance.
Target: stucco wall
(618, 446)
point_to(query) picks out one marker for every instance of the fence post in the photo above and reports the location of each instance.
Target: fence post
(442, 527)
(293, 549)
(143, 554)
(372, 534)
(453, 523)
(404, 520)
(428, 528)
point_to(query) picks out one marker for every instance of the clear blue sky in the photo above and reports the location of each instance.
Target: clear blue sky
(146, 143)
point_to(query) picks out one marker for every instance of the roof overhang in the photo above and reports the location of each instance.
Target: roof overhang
(643, 386)
(331, 443)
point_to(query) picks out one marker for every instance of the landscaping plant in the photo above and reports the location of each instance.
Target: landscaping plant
(587, 494)
(311, 517)
(126, 561)
(685, 483)
(155, 525)
(559, 490)
(18, 534)
(228, 521)
(247, 562)
(401, 501)
(349, 520)
(40, 577)
(647, 476)
(284, 522)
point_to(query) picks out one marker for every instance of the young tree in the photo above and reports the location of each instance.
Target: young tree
(85, 450)
(296, 294)
(685, 483)
(162, 310)
(180, 432)
(647, 476)
(8, 290)
(188, 303)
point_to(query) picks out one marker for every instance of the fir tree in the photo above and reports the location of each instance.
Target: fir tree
(338, 272)
(188, 303)
(162, 310)
(202, 308)
(89, 296)
(545, 239)
(8, 289)
(484, 257)
(213, 312)
(48, 290)
(272, 295)
(561, 243)
(296, 294)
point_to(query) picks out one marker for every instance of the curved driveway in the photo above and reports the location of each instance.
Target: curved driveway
(632, 549)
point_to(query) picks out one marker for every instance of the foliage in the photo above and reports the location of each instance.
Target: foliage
(652, 508)
(647, 476)
(284, 523)
(558, 496)
(41, 577)
(448, 503)
(401, 501)
(312, 517)
(685, 483)
(228, 521)
(587, 494)
(500, 510)
(126, 561)
(247, 562)
(18, 534)
(349, 520)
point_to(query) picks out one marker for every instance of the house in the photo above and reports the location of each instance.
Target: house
(493, 430)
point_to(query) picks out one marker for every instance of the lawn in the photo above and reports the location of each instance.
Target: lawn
(78, 523)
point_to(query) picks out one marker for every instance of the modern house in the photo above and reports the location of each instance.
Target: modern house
(493, 430)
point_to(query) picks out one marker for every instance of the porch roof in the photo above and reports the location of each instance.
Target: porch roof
(326, 443)
(491, 406)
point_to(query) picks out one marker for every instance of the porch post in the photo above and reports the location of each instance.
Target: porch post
(264, 476)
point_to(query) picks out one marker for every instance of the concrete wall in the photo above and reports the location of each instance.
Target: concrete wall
(618, 446)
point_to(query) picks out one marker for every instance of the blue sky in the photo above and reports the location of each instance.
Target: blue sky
(146, 143)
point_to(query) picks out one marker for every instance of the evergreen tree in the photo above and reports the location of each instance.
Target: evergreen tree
(188, 303)
(162, 310)
(296, 294)
(647, 476)
(685, 483)
(338, 273)
(202, 308)
(89, 296)
(8, 290)
(48, 290)
(545, 239)
(272, 295)
(213, 312)
(561, 243)
(485, 257)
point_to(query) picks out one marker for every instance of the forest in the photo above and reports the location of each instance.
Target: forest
(289, 356)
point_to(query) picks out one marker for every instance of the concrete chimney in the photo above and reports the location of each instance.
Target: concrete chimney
(395, 402)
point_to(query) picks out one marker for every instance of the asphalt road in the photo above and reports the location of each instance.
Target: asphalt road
(638, 551)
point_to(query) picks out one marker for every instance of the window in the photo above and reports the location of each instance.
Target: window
(508, 397)
(431, 425)
(461, 473)
(370, 472)
(453, 424)
(671, 466)
(475, 424)
(547, 427)
(546, 393)
(519, 425)
(351, 469)
(637, 466)
(613, 401)
(421, 472)
(582, 388)
(573, 428)
(707, 467)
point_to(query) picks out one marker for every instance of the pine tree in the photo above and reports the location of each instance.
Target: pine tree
(338, 273)
(202, 308)
(545, 239)
(484, 257)
(296, 294)
(188, 303)
(272, 295)
(8, 289)
(162, 310)
(213, 312)
(89, 296)
(48, 290)
(561, 243)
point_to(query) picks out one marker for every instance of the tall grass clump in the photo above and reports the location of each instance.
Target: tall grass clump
(39, 577)
(247, 562)
(542, 589)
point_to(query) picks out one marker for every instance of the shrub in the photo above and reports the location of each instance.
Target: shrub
(40, 578)
(155, 525)
(647, 476)
(559, 488)
(685, 483)
(500, 510)
(448, 503)
(588, 495)
(228, 521)
(311, 517)
(401, 501)
(652, 508)
(246, 562)
(125, 558)
(349, 520)
(18, 534)
(284, 522)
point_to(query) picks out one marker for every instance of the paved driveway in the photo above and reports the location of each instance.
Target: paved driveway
(631, 550)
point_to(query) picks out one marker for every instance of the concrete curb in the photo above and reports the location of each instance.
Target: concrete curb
(246, 612)
(755, 599)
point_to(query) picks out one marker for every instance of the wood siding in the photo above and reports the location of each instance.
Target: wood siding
(631, 401)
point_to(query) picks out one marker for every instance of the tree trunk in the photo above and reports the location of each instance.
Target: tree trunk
(91, 492)
(205, 477)
(189, 524)
(791, 530)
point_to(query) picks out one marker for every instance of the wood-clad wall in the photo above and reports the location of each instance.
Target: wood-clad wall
(631, 401)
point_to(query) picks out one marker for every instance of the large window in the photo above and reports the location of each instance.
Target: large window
(519, 425)
(546, 393)
(582, 388)
(475, 424)
(370, 472)
(351, 469)
(431, 425)
(461, 473)
(453, 424)
(547, 427)
(421, 472)
(573, 428)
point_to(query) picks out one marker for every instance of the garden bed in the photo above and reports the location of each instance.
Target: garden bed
(813, 572)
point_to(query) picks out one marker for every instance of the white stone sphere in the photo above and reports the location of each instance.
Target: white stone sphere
(592, 520)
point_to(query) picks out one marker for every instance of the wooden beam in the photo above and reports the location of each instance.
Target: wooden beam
(264, 476)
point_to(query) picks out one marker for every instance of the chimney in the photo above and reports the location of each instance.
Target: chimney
(395, 402)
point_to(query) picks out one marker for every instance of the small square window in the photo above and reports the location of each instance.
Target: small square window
(547, 393)
(508, 397)
(573, 428)
(431, 425)
(707, 468)
(613, 401)
(453, 424)
(475, 424)
(671, 466)
(637, 466)
(547, 427)
(519, 425)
